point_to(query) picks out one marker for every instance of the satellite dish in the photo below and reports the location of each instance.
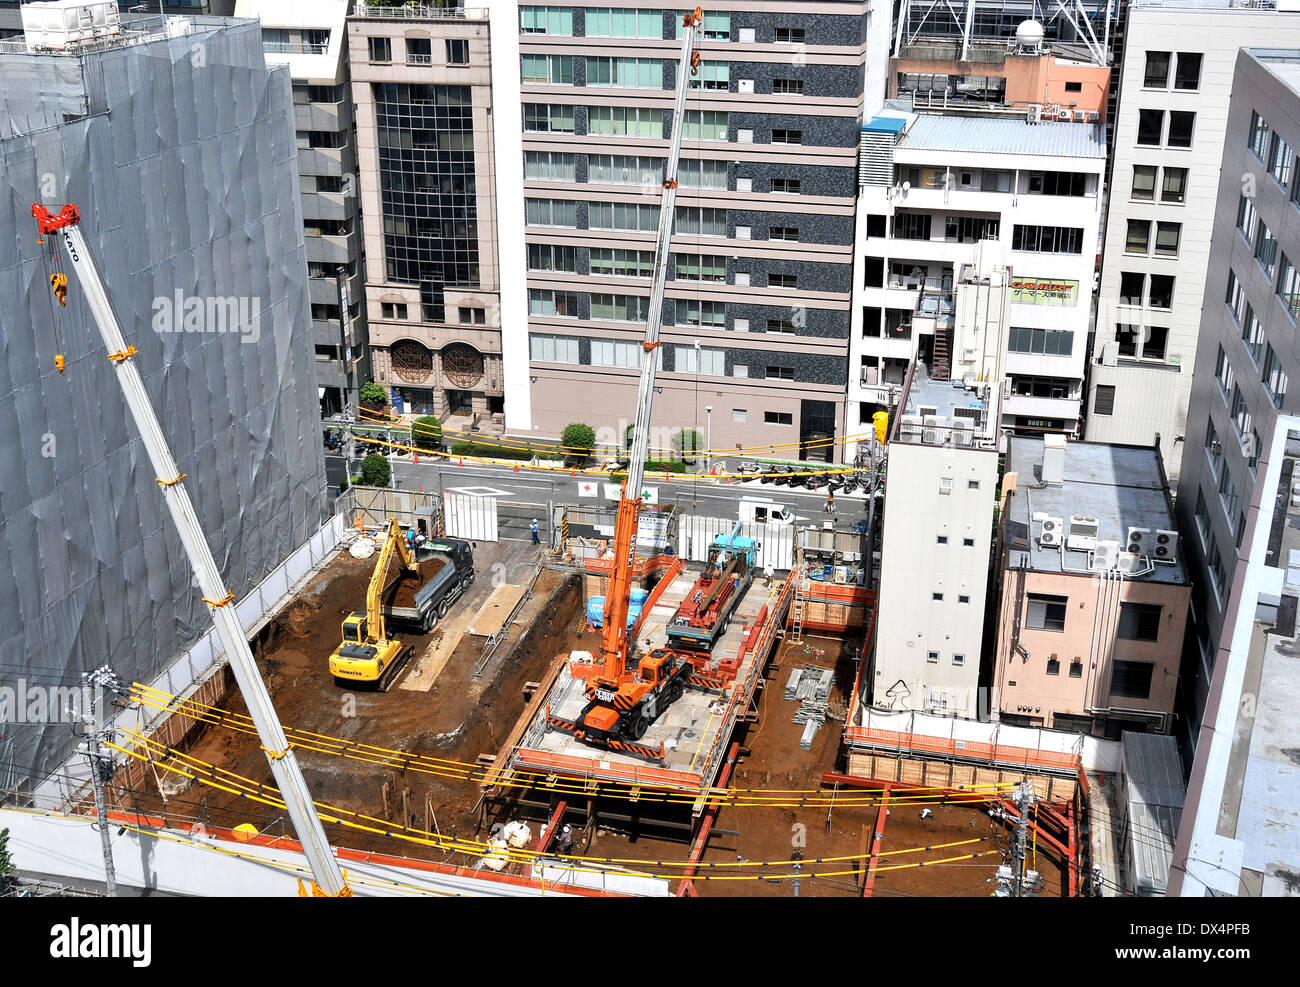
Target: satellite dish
(907, 187)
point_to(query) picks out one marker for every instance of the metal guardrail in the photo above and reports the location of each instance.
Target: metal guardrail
(500, 634)
(419, 10)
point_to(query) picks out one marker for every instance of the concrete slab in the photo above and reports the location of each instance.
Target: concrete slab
(491, 617)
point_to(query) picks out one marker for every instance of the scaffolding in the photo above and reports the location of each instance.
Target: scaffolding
(1079, 28)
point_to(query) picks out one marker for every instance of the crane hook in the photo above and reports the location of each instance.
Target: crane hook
(59, 285)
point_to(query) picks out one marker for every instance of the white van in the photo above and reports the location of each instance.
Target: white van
(763, 510)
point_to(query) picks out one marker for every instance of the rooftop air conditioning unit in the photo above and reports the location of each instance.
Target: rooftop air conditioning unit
(1166, 546)
(963, 432)
(1110, 353)
(1093, 116)
(909, 428)
(935, 429)
(1082, 536)
(1139, 540)
(1050, 535)
(1129, 563)
(1105, 556)
(1064, 114)
(1035, 113)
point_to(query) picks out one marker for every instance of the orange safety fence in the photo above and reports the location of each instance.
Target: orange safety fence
(924, 744)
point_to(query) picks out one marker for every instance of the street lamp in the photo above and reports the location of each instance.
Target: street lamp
(708, 438)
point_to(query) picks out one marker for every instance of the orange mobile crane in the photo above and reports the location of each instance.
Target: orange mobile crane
(622, 703)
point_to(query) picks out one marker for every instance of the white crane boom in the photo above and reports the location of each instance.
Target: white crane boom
(284, 767)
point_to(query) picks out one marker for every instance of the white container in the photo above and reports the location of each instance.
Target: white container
(56, 24)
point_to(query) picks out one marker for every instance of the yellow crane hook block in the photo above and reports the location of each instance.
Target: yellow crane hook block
(59, 284)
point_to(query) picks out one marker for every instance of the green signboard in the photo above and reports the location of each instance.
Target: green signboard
(1044, 291)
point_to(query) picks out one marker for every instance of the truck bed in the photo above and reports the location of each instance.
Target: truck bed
(406, 595)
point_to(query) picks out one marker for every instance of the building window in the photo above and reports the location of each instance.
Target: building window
(968, 543)
(1049, 342)
(614, 262)
(1266, 249)
(620, 308)
(782, 136)
(546, 20)
(625, 121)
(1162, 291)
(473, 316)
(546, 348)
(1252, 334)
(1167, 237)
(631, 217)
(545, 119)
(790, 87)
(789, 36)
(1213, 447)
(959, 659)
(616, 353)
(936, 597)
(791, 186)
(779, 373)
(627, 73)
(695, 312)
(942, 539)
(702, 174)
(550, 166)
(1074, 87)
(1247, 219)
(1132, 285)
(1144, 182)
(963, 599)
(778, 418)
(1076, 669)
(700, 267)
(1127, 337)
(1288, 287)
(1139, 621)
(1046, 613)
(783, 233)
(1257, 140)
(783, 281)
(1181, 125)
(1202, 515)
(700, 221)
(1139, 236)
(551, 212)
(709, 125)
(740, 415)
(556, 70)
(1053, 666)
(555, 303)
(1188, 73)
(457, 51)
(1234, 296)
(625, 169)
(1150, 125)
(1228, 493)
(1223, 373)
(1132, 679)
(1279, 160)
(393, 310)
(786, 326)
(623, 22)
(1274, 377)
(1157, 70)
(1047, 239)
(381, 49)
(933, 657)
(1174, 186)
(713, 74)
(1240, 412)
(1104, 403)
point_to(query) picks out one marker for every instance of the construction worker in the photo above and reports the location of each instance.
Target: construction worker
(533, 530)
(566, 838)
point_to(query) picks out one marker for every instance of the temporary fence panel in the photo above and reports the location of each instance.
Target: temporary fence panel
(375, 505)
(695, 535)
(471, 516)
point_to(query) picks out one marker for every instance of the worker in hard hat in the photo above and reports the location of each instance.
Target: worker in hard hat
(533, 530)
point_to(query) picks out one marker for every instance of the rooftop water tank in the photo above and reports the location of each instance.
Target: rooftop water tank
(1029, 35)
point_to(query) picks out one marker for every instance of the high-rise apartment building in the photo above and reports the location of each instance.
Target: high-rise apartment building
(1246, 355)
(1170, 126)
(756, 317)
(311, 39)
(422, 81)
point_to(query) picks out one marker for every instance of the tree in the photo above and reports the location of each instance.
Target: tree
(6, 861)
(687, 443)
(375, 471)
(426, 432)
(578, 440)
(373, 394)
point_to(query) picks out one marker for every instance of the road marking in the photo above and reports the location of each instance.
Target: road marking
(479, 491)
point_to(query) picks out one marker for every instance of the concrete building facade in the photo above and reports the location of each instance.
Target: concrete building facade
(311, 39)
(936, 545)
(422, 80)
(1093, 603)
(756, 318)
(1170, 126)
(946, 202)
(1247, 351)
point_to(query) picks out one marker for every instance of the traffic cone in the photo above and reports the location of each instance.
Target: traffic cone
(516, 467)
(462, 461)
(416, 457)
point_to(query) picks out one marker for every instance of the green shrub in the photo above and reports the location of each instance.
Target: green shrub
(375, 471)
(372, 393)
(488, 451)
(687, 443)
(426, 432)
(578, 440)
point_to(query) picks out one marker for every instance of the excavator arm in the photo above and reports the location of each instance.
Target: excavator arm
(394, 544)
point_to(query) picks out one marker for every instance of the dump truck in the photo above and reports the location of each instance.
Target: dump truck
(430, 602)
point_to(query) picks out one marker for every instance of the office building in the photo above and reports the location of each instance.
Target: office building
(756, 317)
(1094, 593)
(1170, 125)
(311, 39)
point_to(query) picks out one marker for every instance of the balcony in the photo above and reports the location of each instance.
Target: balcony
(415, 58)
(420, 11)
(292, 48)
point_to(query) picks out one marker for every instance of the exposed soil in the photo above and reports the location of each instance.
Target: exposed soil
(400, 592)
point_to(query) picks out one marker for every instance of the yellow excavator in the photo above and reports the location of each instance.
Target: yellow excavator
(367, 655)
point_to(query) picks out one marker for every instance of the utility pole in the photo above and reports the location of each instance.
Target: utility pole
(101, 760)
(1013, 880)
(796, 858)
